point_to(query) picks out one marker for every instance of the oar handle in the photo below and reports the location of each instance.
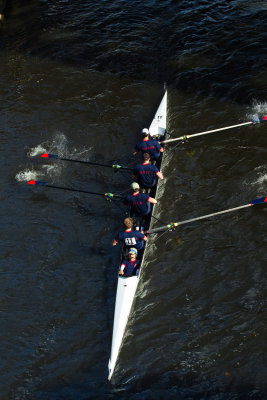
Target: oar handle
(174, 140)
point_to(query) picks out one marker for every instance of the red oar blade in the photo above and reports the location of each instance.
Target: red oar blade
(47, 155)
(32, 182)
(262, 200)
(259, 119)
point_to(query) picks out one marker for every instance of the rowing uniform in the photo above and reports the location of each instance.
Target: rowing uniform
(146, 175)
(150, 146)
(131, 239)
(139, 203)
(130, 268)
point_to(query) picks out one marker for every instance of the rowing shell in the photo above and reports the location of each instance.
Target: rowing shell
(126, 287)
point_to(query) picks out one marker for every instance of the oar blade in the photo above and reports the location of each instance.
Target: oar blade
(32, 182)
(262, 200)
(48, 155)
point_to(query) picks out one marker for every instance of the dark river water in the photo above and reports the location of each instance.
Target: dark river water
(81, 79)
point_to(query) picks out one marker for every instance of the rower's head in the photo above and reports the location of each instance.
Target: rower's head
(132, 253)
(128, 223)
(135, 186)
(146, 157)
(145, 132)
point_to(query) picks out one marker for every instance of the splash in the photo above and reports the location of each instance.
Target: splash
(258, 110)
(27, 175)
(57, 145)
(261, 179)
(36, 151)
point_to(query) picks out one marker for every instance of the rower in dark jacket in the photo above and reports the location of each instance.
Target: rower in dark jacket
(130, 237)
(139, 202)
(146, 173)
(148, 145)
(130, 267)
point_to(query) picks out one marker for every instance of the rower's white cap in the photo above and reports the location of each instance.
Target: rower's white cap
(133, 250)
(135, 185)
(145, 131)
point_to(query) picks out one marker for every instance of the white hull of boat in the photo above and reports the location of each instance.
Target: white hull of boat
(158, 125)
(126, 287)
(124, 299)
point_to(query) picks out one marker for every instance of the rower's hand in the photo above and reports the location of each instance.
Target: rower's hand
(121, 273)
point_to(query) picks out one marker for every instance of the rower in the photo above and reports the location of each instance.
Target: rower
(146, 173)
(130, 237)
(148, 145)
(139, 202)
(130, 267)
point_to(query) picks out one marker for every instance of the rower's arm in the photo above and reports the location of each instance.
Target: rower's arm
(152, 200)
(121, 271)
(159, 175)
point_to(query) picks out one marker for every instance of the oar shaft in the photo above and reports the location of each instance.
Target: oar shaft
(114, 166)
(74, 190)
(220, 129)
(206, 132)
(187, 221)
(107, 195)
(81, 161)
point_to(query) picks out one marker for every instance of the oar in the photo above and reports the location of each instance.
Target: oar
(108, 196)
(185, 137)
(116, 167)
(173, 225)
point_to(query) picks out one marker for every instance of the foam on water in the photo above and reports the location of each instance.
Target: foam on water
(27, 175)
(57, 145)
(258, 110)
(262, 180)
(46, 171)
(36, 151)
(258, 179)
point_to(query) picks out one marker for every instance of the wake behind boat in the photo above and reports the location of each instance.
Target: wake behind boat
(127, 286)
